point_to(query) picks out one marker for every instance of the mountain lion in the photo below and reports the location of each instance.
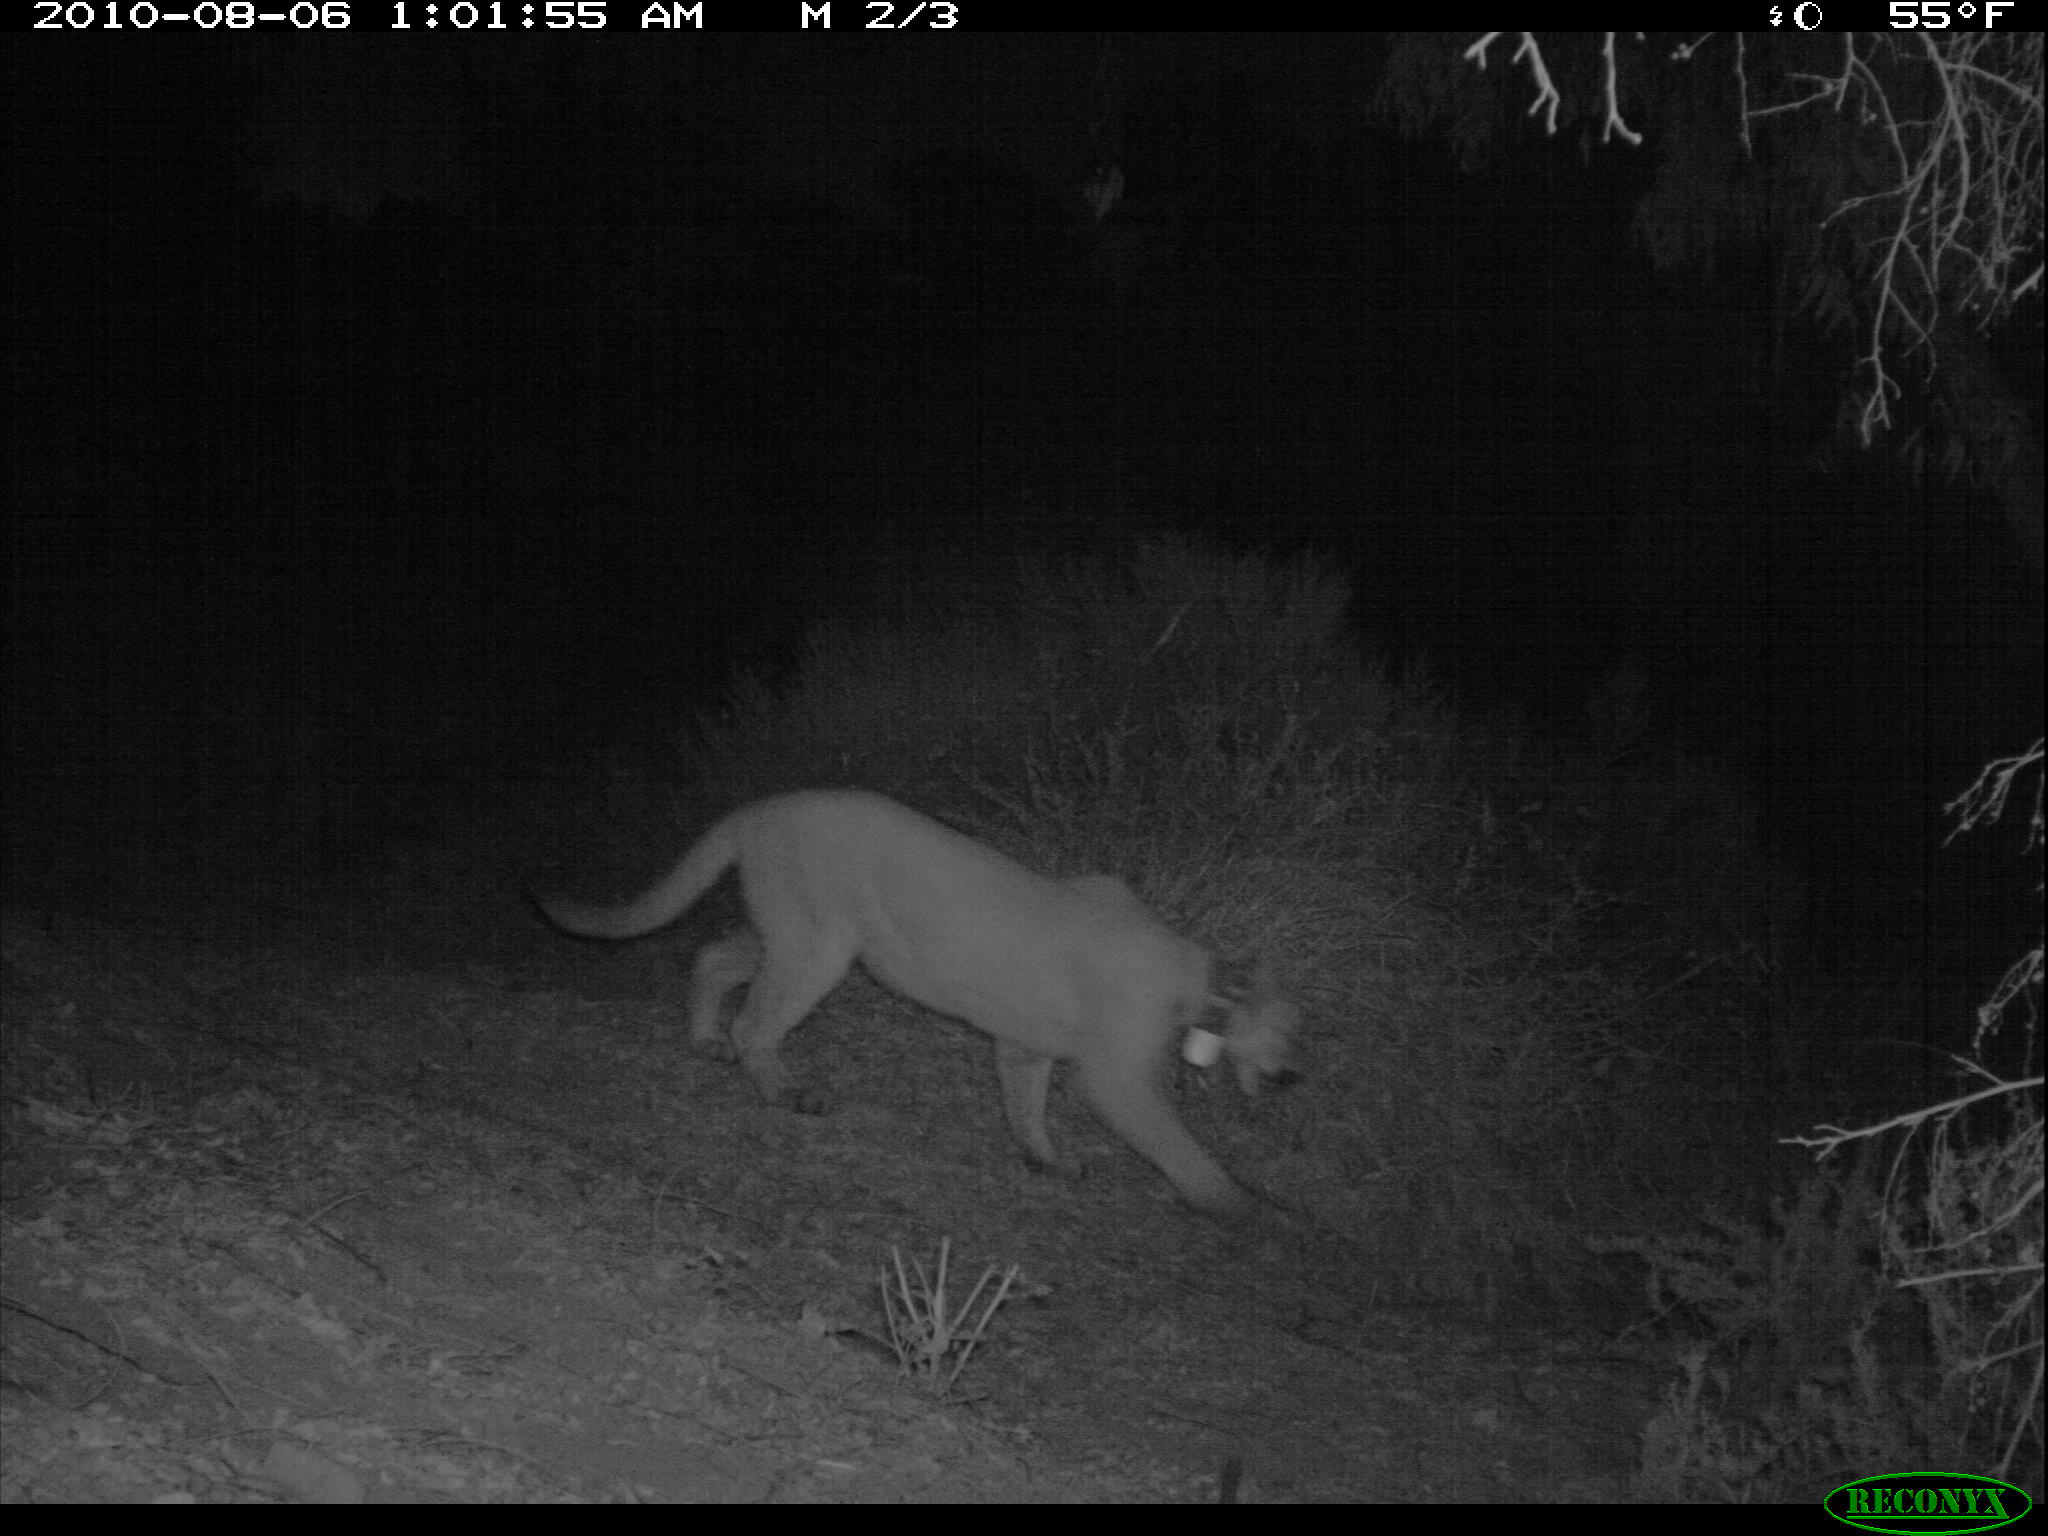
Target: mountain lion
(1081, 971)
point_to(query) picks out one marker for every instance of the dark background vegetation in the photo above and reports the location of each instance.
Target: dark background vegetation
(389, 416)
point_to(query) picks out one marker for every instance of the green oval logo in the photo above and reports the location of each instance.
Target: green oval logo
(1949, 1502)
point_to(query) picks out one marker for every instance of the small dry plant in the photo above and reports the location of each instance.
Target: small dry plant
(932, 1343)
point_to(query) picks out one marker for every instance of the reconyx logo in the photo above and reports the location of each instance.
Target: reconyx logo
(1948, 1502)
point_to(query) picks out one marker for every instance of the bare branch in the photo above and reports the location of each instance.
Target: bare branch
(1955, 224)
(1546, 93)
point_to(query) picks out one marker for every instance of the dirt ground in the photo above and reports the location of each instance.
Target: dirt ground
(365, 1188)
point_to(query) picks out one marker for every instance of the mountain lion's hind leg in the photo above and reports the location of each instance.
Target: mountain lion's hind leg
(722, 967)
(788, 987)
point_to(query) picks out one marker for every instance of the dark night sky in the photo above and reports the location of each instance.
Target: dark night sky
(524, 387)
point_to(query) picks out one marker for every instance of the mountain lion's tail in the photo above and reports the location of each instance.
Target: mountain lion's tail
(671, 896)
